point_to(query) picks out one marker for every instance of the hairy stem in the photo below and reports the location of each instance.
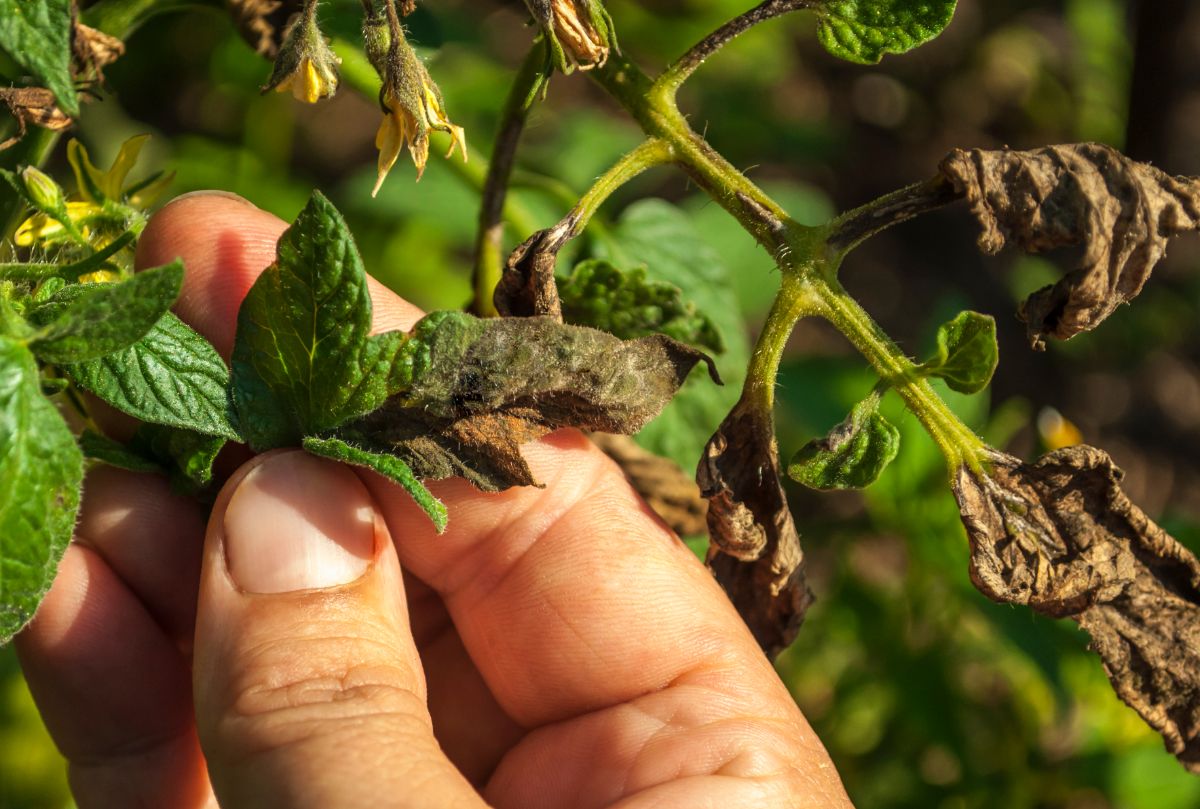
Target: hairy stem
(489, 260)
(852, 228)
(796, 299)
(686, 65)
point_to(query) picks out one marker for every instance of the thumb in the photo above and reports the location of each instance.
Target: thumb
(308, 688)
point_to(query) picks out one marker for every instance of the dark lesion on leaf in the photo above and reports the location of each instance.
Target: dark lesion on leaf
(755, 548)
(1060, 536)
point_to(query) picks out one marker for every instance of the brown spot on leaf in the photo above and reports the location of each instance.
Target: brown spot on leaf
(755, 551)
(1122, 212)
(1061, 537)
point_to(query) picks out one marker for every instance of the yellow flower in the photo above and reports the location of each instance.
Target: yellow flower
(305, 65)
(41, 228)
(100, 277)
(409, 113)
(309, 83)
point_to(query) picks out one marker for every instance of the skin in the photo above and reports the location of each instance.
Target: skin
(556, 647)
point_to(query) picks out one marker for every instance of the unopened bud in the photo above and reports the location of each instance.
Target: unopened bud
(306, 65)
(43, 192)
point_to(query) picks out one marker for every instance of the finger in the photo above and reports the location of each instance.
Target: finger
(113, 691)
(308, 687)
(225, 243)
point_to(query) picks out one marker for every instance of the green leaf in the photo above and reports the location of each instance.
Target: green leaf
(41, 470)
(187, 454)
(385, 464)
(303, 363)
(627, 304)
(37, 34)
(479, 388)
(967, 353)
(101, 448)
(172, 376)
(864, 30)
(92, 320)
(854, 453)
(658, 235)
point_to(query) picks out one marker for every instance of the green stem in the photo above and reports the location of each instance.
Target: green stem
(796, 299)
(646, 155)
(489, 241)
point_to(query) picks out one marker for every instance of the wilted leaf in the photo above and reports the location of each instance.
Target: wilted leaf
(40, 473)
(1061, 537)
(37, 34)
(864, 30)
(482, 387)
(1089, 194)
(628, 304)
(967, 353)
(854, 453)
(302, 361)
(172, 376)
(385, 464)
(32, 105)
(755, 548)
(527, 287)
(88, 321)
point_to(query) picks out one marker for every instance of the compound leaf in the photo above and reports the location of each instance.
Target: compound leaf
(89, 321)
(41, 470)
(386, 464)
(37, 34)
(302, 362)
(864, 30)
(172, 376)
(967, 352)
(854, 453)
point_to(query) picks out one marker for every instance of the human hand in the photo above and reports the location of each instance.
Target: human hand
(316, 644)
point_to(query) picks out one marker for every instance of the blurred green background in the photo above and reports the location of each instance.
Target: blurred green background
(925, 693)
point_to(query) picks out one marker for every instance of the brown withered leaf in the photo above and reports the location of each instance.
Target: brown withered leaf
(1061, 537)
(1122, 212)
(262, 22)
(527, 287)
(755, 550)
(32, 105)
(92, 50)
(482, 387)
(667, 489)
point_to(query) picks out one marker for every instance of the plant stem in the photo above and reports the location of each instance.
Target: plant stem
(852, 228)
(685, 66)
(489, 258)
(648, 154)
(796, 299)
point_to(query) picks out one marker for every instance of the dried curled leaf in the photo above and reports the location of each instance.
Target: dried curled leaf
(1122, 212)
(32, 106)
(1061, 537)
(482, 387)
(755, 551)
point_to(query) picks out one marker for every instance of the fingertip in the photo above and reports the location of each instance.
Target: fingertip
(225, 242)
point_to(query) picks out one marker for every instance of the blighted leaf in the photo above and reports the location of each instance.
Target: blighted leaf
(41, 469)
(172, 376)
(32, 106)
(37, 34)
(628, 304)
(854, 453)
(482, 387)
(98, 319)
(864, 30)
(1122, 212)
(101, 448)
(1061, 537)
(755, 548)
(967, 353)
(302, 361)
(385, 464)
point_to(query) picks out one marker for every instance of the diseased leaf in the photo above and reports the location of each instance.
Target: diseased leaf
(37, 34)
(482, 387)
(172, 376)
(386, 464)
(854, 453)
(101, 448)
(1121, 211)
(186, 455)
(755, 548)
(1061, 537)
(627, 304)
(41, 470)
(88, 321)
(658, 235)
(864, 30)
(302, 362)
(967, 353)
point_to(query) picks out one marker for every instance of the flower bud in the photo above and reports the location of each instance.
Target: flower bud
(43, 192)
(412, 105)
(305, 65)
(579, 32)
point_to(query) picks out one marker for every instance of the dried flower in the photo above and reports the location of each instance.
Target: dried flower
(305, 65)
(580, 32)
